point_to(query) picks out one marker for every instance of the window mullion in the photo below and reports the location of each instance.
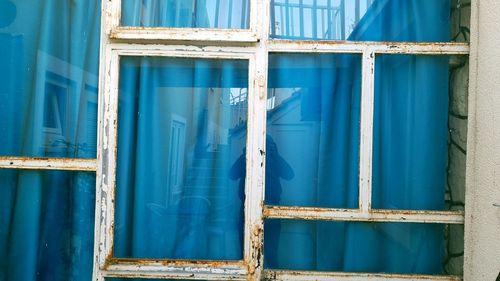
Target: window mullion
(255, 176)
(366, 131)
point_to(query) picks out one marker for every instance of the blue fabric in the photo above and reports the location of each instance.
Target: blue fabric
(49, 54)
(187, 202)
(179, 136)
(186, 13)
(410, 153)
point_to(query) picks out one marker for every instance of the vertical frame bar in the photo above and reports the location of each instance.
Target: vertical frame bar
(107, 164)
(366, 131)
(112, 14)
(255, 176)
(107, 13)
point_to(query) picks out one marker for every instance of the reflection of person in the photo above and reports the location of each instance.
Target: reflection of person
(276, 168)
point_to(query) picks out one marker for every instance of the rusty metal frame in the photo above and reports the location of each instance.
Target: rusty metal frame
(44, 163)
(373, 215)
(284, 275)
(105, 264)
(252, 45)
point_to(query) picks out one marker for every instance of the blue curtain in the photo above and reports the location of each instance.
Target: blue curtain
(48, 86)
(182, 143)
(181, 128)
(314, 120)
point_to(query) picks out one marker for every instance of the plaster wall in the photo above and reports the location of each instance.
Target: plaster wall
(482, 230)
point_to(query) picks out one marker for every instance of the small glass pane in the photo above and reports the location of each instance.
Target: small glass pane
(181, 149)
(312, 142)
(420, 132)
(49, 62)
(222, 14)
(369, 20)
(46, 225)
(406, 248)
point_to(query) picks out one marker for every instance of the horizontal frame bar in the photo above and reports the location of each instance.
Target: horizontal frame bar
(183, 34)
(43, 163)
(319, 276)
(374, 215)
(205, 270)
(183, 51)
(438, 48)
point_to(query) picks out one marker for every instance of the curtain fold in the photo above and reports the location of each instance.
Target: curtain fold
(182, 143)
(50, 62)
(409, 152)
(179, 119)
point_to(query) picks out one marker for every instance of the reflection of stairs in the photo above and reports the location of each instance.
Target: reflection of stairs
(207, 177)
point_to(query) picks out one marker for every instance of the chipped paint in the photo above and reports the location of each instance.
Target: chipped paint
(342, 276)
(45, 163)
(373, 215)
(422, 48)
(119, 41)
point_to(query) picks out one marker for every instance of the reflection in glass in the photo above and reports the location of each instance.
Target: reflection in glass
(186, 13)
(46, 225)
(363, 20)
(408, 248)
(49, 53)
(182, 126)
(410, 152)
(312, 142)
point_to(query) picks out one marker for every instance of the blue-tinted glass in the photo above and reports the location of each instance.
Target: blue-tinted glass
(49, 61)
(186, 13)
(181, 158)
(359, 247)
(312, 143)
(362, 20)
(410, 150)
(46, 225)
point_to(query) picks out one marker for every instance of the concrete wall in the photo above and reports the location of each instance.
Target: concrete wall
(457, 138)
(482, 231)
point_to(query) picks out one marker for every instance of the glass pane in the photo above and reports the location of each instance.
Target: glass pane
(407, 248)
(420, 132)
(186, 13)
(49, 61)
(181, 158)
(368, 20)
(46, 225)
(312, 139)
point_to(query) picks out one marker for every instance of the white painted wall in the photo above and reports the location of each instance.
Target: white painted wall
(482, 233)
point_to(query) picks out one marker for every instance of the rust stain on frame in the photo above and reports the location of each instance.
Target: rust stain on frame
(45, 163)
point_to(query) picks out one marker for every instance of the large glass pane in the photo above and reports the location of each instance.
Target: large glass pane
(46, 225)
(186, 13)
(407, 248)
(181, 158)
(420, 132)
(369, 20)
(312, 141)
(49, 61)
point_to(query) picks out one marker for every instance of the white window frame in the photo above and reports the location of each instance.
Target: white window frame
(251, 45)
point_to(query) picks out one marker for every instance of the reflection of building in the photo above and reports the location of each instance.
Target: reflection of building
(65, 108)
(316, 19)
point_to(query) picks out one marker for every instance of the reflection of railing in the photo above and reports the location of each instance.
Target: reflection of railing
(316, 19)
(228, 10)
(239, 106)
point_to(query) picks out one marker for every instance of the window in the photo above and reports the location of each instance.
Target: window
(247, 140)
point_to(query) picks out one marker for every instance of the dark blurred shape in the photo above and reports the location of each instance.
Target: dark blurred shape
(8, 13)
